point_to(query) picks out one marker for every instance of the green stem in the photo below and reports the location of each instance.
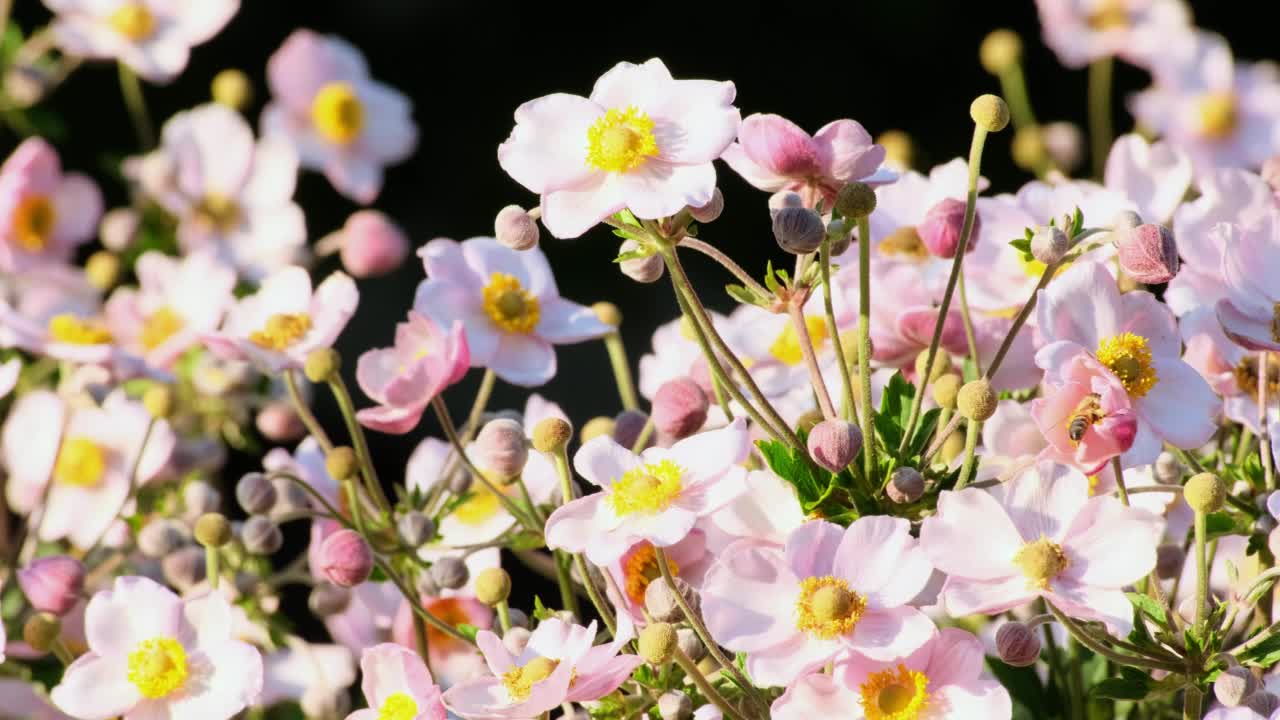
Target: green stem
(846, 382)
(1192, 700)
(504, 616)
(1100, 130)
(1014, 87)
(704, 686)
(973, 431)
(646, 432)
(420, 632)
(621, 370)
(967, 319)
(1202, 570)
(211, 566)
(367, 470)
(62, 652)
(864, 352)
(304, 412)
(1264, 436)
(796, 313)
(561, 461)
(564, 580)
(1120, 488)
(478, 405)
(131, 89)
(1098, 647)
(446, 423)
(415, 604)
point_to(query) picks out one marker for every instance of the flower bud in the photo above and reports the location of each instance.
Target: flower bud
(415, 528)
(1169, 560)
(515, 228)
(941, 364)
(279, 422)
(289, 497)
(1049, 244)
(1000, 51)
(679, 408)
(675, 705)
(1167, 469)
(976, 400)
(1065, 144)
(594, 428)
(1028, 148)
(799, 230)
(1205, 492)
(709, 212)
(1273, 542)
(516, 640)
(255, 493)
(328, 599)
(158, 400)
(658, 643)
(906, 485)
(647, 269)
(1149, 255)
(261, 536)
(855, 200)
(607, 313)
(784, 199)
(372, 245)
(519, 618)
(102, 270)
(1263, 703)
(27, 83)
(840, 235)
(493, 586)
(199, 497)
(426, 585)
(627, 427)
(161, 536)
(661, 602)
(833, 444)
(1264, 524)
(899, 150)
(213, 530)
(341, 463)
(500, 449)
(952, 447)
(232, 88)
(52, 584)
(690, 644)
(118, 228)
(989, 112)
(945, 390)
(551, 435)
(1017, 644)
(943, 225)
(1234, 685)
(41, 631)
(184, 568)
(346, 558)
(450, 573)
(322, 365)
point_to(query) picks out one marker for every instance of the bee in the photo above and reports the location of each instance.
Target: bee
(1088, 412)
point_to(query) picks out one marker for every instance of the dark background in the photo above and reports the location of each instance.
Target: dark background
(907, 64)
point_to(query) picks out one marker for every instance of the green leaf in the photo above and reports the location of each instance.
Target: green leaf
(1077, 222)
(1021, 244)
(540, 611)
(1266, 650)
(1218, 524)
(1128, 687)
(924, 432)
(626, 217)
(1148, 607)
(526, 540)
(1024, 687)
(468, 630)
(770, 281)
(637, 254)
(812, 485)
(742, 295)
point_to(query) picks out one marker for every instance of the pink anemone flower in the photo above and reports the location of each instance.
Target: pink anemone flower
(403, 379)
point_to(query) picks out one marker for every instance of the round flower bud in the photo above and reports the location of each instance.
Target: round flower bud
(450, 573)
(1028, 148)
(493, 586)
(855, 200)
(415, 528)
(690, 644)
(1205, 492)
(784, 199)
(809, 419)
(372, 244)
(1065, 144)
(943, 225)
(322, 365)
(460, 483)
(989, 112)
(26, 83)
(1017, 644)
(516, 640)
(346, 558)
(41, 631)
(594, 428)
(607, 313)
(118, 228)
(184, 568)
(1167, 469)
(799, 230)
(160, 537)
(906, 485)
(1273, 542)
(1233, 685)
(213, 530)
(200, 497)
(255, 493)
(328, 599)
(661, 602)
(551, 435)
(658, 643)
(709, 212)
(232, 88)
(261, 536)
(941, 364)
(102, 270)
(945, 390)
(679, 408)
(341, 463)
(675, 705)
(976, 400)
(1049, 244)
(515, 228)
(647, 269)
(52, 584)
(899, 150)
(426, 585)
(289, 497)
(1264, 524)
(840, 235)
(1262, 702)
(952, 447)
(833, 444)
(501, 449)
(1169, 560)
(1148, 254)
(1000, 50)
(627, 427)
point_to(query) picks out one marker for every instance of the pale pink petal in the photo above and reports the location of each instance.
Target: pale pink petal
(962, 596)
(525, 360)
(955, 657)
(983, 698)
(745, 600)
(1081, 305)
(1102, 526)
(113, 624)
(886, 634)
(547, 148)
(200, 20)
(306, 62)
(1154, 176)
(390, 135)
(235, 682)
(782, 664)
(628, 84)
(779, 146)
(1043, 500)
(1181, 407)
(1086, 602)
(812, 548)
(78, 205)
(571, 211)
(95, 688)
(602, 461)
(604, 679)
(710, 454)
(735, 156)
(967, 520)
(846, 152)
(561, 321)
(881, 561)
(816, 696)
(658, 189)
(694, 120)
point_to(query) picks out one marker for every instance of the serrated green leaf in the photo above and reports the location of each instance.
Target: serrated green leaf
(923, 433)
(540, 611)
(742, 295)
(625, 216)
(1122, 688)
(1022, 245)
(1148, 607)
(811, 487)
(1077, 222)
(1218, 524)
(637, 254)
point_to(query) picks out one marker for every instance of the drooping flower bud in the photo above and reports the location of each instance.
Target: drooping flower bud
(1234, 685)
(450, 573)
(647, 269)
(322, 365)
(1049, 244)
(346, 558)
(1065, 144)
(658, 643)
(1262, 702)
(372, 244)
(1167, 469)
(1000, 51)
(261, 536)
(501, 450)
(709, 212)
(232, 88)
(255, 493)
(1205, 492)
(945, 390)
(328, 599)
(799, 230)
(675, 705)
(1149, 254)
(661, 602)
(906, 485)
(515, 228)
(52, 584)
(415, 528)
(833, 444)
(161, 536)
(1017, 644)
(1169, 559)
(943, 225)
(679, 408)
(989, 112)
(976, 400)
(627, 427)
(784, 199)
(493, 586)
(184, 568)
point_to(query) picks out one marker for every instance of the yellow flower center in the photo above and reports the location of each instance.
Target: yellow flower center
(33, 222)
(1246, 374)
(281, 331)
(479, 506)
(786, 347)
(895, 694)
(1275, 322)
(218, 212)
(904, 242)
(81, 462)
(398, 706)
(1218, 114)
(509, 305)
(134, 21)
(1109, 15)
(827, 608)
(68, 328)
(159, 327)
(158, 667)
(337, 113)
(646, 489)
(621, 140)
(1041, 561)
(1093, 485)
(1128, 356)
(641, 568)
(519, 681)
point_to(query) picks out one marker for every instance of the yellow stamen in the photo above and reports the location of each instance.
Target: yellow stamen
(1219, 114)
(895, 694)
(786, 347)
(158, 667)
(134, 21)
(281, 331)
(337, 113)
(827, 607)
(218, 212)
(646, 489)
(481, 505)
(68, 328)
(639, 568)
(904, 243)
(519, 681)
(81, 462)
(1246, 374)
(621, 141)
(509, 305)
(159, 327)
(1128, 356)
(1041, 561)
(1110, 15)
(398, 706)
(33, 221)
